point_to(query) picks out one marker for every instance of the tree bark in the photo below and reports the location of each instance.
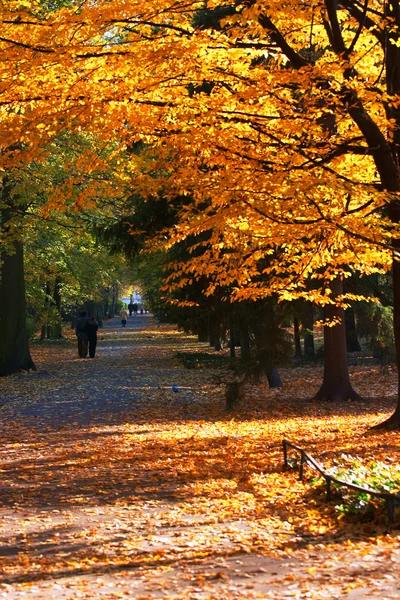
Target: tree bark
(273, 377)
(297, 341)
(266, 346)
(308, 328)
(352, 343)
(14, 347)
(244, 335)
(336, 384)
(57, 303)
(232, 351)
(46, 328)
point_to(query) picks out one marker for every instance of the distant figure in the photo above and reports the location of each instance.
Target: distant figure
(141, 311)
(134, 308)
(91, 328)
(130, 308)
(124, 316)
(81, 334)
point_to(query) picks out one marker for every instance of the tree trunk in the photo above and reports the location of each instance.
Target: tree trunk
(46, 329)
(352, 343)
(266, 344)
(216, 331)
(232, 351)
(244, 334)
(14, 348)
(114, 300)
(336, 384)
(297, 341)
(274, 379)
(57, 303)
(232, 395)
(308, 329)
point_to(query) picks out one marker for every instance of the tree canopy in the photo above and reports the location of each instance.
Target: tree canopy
(256, 119)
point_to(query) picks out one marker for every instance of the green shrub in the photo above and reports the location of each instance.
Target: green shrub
(376, 475)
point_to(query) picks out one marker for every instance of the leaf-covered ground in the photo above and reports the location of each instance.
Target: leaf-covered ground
(115, 486)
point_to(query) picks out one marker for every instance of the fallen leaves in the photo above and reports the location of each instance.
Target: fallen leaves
(149, 493)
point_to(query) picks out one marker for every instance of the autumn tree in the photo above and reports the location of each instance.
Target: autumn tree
(64, 264)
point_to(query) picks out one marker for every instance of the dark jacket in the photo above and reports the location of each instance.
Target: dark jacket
(91, 329)
(80, 329)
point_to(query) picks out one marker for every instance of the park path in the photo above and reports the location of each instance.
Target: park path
(130, 361)
(98, 501)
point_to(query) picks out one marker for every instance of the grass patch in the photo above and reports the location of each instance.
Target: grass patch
(201, 360)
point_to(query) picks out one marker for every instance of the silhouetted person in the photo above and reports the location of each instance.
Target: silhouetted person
(124, 316)
(91, 328)
(81, 333)
(130, 308)
(134, 308)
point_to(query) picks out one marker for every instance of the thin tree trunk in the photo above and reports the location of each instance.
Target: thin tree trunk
(245, 352)
(308, 329)
(46, 329)
(336, 384)
(57, 303)
(297, 341)
(232, 351)
(352, 343)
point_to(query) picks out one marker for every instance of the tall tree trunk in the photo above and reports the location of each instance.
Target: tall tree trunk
(266, 345)
(244, 335)
(297, 341)
(57, 303)
(113, 301)
(352, 343)
(232, 351)
(216, 330)
(308, 329)
(14, 348)
(107, 302)
(336, 384)
(46, 328)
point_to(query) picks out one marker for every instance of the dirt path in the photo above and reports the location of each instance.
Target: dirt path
(68, 390)
(99, 501)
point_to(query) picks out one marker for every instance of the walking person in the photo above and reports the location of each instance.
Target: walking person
(81, 334)
(91, 328)
(124, 317)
